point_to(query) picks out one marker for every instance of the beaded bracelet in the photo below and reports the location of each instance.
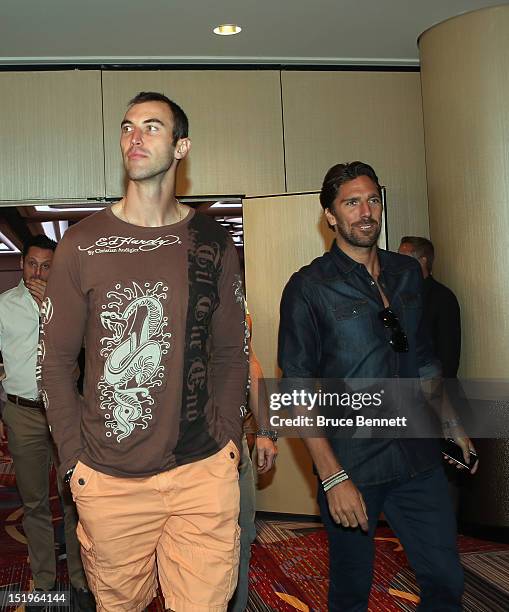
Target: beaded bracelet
(334, 479)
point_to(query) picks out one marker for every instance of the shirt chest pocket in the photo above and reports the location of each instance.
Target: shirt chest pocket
(353, 323)
(353, 310)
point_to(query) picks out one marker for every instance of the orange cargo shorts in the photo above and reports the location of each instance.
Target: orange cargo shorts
(184, 521)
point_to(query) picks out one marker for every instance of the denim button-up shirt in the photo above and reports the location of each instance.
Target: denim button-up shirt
(330, 328)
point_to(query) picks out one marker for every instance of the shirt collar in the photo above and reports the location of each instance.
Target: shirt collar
(388, 263)
(345, 263)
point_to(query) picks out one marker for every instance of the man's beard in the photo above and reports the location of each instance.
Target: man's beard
(358, 238)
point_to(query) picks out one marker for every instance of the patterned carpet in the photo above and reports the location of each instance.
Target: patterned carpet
(289, 564)
(289, 571)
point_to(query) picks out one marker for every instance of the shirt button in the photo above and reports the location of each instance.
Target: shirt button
(232, 455)
(81, 481)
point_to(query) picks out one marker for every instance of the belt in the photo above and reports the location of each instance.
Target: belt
(23, 401)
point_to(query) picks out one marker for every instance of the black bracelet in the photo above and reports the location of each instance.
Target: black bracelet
(267, 433)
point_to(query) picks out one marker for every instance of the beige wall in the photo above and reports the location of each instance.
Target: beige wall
(51, 134)
(465, 86)
(333, 117)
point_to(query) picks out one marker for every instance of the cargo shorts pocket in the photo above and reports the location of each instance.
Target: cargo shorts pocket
(234, 574)
(88, 558)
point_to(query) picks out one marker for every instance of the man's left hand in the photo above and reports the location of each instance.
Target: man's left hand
(266, 451)
(37, 289)
(465, 443)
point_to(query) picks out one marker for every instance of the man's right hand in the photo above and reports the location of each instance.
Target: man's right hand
(347, 506)
(37, 289)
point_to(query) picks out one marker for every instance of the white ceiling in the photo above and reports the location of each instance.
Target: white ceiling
(369, 32)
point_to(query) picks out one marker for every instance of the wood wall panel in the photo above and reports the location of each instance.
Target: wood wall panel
(235, 128)
(51, 133)
(282, 234)
(333, 117)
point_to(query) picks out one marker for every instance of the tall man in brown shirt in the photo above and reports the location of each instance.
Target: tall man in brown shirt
(151, 456)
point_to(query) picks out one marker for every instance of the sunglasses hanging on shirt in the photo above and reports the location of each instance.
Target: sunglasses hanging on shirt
(398, 340)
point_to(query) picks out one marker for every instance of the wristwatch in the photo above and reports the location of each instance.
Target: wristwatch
(267, 433)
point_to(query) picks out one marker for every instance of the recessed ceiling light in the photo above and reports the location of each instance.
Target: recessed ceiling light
(227, 29)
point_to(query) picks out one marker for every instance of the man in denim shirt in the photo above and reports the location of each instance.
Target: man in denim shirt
(355, 313)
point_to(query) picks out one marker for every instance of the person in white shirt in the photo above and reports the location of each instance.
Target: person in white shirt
(29, 439)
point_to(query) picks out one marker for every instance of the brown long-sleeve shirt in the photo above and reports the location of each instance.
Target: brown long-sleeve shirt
(161, 310)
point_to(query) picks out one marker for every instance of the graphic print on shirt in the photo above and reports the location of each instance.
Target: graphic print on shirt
(133, 352)
(46, 314)
(128, 244)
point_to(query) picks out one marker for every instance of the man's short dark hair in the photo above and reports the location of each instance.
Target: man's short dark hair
(421, 247)
(40, 241)
(343, 173)
(180, 121)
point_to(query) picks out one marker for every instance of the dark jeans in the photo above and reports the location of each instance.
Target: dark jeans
(419, 511)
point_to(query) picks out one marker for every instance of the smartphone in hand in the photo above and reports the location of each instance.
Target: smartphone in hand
(451, 450)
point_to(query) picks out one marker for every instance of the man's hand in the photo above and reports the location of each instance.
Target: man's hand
(347, 506)
(465, 443)
(266, 451)
(37, 289)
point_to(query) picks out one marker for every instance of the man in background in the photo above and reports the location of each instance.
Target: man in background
(441, 308)
(29, 439)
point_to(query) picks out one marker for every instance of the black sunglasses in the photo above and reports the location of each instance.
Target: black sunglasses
(398, 341)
